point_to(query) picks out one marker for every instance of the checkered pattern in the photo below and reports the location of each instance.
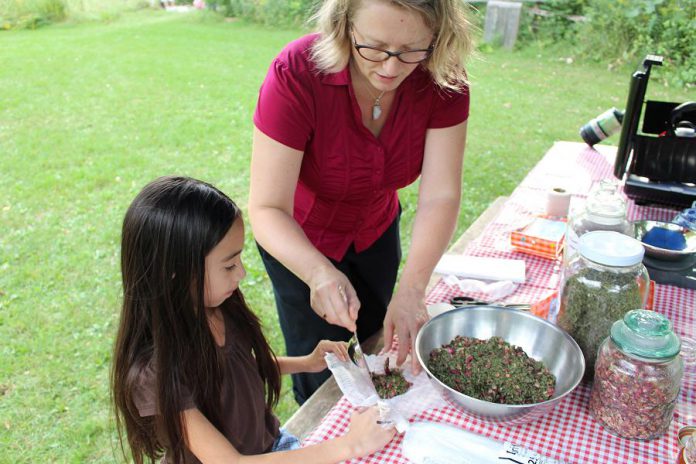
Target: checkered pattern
(568, 432)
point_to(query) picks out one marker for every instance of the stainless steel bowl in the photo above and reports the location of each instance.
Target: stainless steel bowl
(539, 338)
(640, 228)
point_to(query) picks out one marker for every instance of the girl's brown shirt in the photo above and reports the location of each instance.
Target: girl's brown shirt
(246, 423)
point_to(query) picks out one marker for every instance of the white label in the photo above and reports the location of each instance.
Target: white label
(516, 454)
(571, 244)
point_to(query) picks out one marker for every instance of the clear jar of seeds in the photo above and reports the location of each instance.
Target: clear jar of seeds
(637, 376)
(601, 283)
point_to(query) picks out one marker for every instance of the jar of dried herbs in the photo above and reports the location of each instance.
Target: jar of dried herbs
(604, 281)
(637, 376)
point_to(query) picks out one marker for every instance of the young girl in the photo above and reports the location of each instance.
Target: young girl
(194, 379)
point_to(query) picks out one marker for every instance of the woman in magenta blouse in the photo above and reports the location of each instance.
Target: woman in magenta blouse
(346, 117)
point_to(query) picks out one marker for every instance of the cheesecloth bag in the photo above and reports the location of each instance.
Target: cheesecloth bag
(358, 389)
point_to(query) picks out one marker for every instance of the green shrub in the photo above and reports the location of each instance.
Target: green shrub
(628, 30)
(287, 13)
(31, 14)
(622, 31)
(553, 20)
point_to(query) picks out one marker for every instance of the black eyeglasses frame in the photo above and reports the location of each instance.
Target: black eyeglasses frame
(397, 55)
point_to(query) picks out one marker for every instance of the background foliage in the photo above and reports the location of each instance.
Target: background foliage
(269, 12)
(616, 32)
(31, 14)
(613, 32)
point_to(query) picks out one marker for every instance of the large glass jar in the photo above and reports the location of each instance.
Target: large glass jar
(604, 281)
(605, 209)
(637, 376)
(687, 445)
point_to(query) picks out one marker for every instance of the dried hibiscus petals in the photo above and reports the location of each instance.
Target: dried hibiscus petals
(492, 370)
(633, 398)
(390, 384)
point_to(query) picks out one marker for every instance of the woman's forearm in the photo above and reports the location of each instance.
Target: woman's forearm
(433, 227)
(332, 297)
(275, 170)
(439, 198)
(279, 234)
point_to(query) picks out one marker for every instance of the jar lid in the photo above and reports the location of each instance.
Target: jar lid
(605, 205)
(646, 334)
(611, 248)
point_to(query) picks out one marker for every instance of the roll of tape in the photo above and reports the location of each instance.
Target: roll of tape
(557, 202)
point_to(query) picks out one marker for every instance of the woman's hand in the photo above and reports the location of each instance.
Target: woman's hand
(333, 297)
(406, 314)
(316, 361)
(365, 435)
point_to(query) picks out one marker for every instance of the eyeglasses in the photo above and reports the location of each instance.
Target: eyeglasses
(378, 55)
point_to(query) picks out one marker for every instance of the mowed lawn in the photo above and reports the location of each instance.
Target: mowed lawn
(90, 113)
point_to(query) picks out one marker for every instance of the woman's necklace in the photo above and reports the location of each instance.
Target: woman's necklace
(376, 106)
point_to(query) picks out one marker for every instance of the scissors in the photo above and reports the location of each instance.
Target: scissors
(462, 301)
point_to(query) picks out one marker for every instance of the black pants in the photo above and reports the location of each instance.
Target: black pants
(372, 273)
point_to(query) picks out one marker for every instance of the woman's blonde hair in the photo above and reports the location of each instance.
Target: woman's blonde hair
(448, 19)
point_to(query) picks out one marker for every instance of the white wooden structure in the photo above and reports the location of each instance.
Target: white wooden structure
(502, 20)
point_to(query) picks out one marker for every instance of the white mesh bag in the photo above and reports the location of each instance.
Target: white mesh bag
(358, 389)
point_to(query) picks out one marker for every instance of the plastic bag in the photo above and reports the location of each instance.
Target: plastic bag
(493, 291)
(358, 389)
(432, 443)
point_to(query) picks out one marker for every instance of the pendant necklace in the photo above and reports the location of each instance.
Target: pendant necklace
(376, 106)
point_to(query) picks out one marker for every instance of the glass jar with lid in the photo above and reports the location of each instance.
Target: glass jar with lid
(687, 445)
(605, 209)
(604, 281)
(685, 411)
(637, 376)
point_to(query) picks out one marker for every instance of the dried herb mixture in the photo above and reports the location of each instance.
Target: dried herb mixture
(492, 370)
(592, 300)
(390, 384)
(634, 399)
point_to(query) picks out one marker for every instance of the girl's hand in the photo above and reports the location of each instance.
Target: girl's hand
(406, 314)
(365, 435)
(316, 361)
(333, 297)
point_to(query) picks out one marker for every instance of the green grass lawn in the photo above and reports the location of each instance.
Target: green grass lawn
(90, 113)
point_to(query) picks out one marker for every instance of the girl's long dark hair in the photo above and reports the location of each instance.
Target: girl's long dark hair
(169, 229)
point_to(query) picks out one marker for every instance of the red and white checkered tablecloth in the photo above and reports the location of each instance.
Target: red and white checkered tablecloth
(568, 432)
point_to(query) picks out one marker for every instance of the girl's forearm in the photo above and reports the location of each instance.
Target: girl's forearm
(292, 364)
(327, 452)
(211, 447)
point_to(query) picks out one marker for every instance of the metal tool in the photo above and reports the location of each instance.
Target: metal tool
(356, 354)
(355, 351)
(462, 301)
